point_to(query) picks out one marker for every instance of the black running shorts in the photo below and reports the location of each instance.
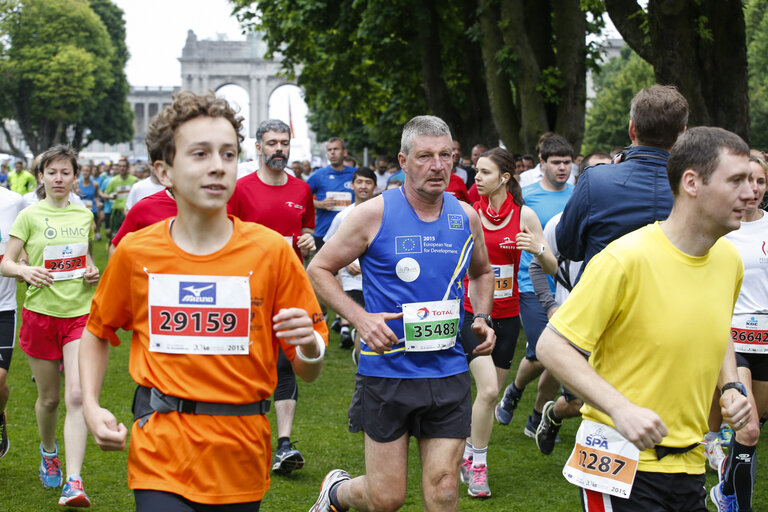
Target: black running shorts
(7, 337)
(757, 364)
(652, 492)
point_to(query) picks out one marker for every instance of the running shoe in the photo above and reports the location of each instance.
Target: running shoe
(323, 503)
(531, 425)
(478, 482)
(546, 432)
(5, 443)
(714, 452)
(506, 408)
(50, 468)
(346, 340)
(73, 495)
(723, 503)
(286, 459)
(336, 324)
(464, 469)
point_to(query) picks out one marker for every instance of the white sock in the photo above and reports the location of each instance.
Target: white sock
(468, 450)
(479, 456)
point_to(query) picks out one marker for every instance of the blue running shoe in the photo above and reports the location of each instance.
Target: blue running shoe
(73, 495)
(50, 468)
(506, 408)
(723, 502)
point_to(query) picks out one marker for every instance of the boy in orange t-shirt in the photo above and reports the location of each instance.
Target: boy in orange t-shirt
(209, 299)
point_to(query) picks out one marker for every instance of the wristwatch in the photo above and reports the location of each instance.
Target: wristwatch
(735, 385)
(541, 251)
(485, 317)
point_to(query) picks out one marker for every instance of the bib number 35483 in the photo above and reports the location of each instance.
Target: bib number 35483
(199, 314)
(430, 325)
(602, 460)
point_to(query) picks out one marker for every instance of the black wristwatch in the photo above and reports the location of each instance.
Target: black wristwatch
(485, 317)
(735, 385)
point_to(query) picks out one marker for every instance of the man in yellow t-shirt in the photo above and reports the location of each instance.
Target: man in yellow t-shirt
(21, 180)
(652, 312)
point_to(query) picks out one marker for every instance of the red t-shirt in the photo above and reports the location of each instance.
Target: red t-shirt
(151, 209)
(473, 194)
(458, 189)
(284, 208)
(504, 257)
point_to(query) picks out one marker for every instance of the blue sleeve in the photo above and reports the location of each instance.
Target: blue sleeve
(571, 231)
(312, 182)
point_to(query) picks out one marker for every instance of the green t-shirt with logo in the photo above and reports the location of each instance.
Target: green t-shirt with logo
(56, 238)
(120, 186)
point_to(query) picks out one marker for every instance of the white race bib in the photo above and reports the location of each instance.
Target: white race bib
(431, 325)
(602, 460)
(504, 281)
(750, 333)
(341, 199)
(289, 239)
(123, 190)
(88, 204)
(199, 314)
(65, 261)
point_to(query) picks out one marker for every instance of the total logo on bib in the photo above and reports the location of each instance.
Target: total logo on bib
(199, 314)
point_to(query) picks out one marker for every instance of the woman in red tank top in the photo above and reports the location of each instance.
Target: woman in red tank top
(508, 227)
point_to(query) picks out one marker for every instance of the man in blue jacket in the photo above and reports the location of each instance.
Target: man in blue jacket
(609, 201)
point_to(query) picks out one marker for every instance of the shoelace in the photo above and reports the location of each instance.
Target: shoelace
(51, 465)
(481, 475)
(75, 485)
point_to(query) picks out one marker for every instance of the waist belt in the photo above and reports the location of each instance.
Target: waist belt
(149, 400)
(663, 451)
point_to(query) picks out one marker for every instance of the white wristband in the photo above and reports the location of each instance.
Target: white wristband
(541, 251)
(320, 347)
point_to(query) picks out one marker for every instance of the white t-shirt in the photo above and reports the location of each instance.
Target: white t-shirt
(11, 204)
(140, 190)
(348, 281)
(31, 198)
(750, 240)
(561, 293)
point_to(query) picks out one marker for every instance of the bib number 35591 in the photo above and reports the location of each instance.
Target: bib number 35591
(602, 460)
(199, 314)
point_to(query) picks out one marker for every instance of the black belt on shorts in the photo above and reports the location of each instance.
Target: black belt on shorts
(663, 451)
(148, 400)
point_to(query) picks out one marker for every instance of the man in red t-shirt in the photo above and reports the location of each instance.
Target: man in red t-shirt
(277, 200)
(159, 206)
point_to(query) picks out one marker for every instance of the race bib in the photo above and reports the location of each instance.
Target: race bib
(750, 333)
(602, 460)
(430, 325)
(88, 204)
(123, 190)
(504, 281)
(65, 261)
(341, 200)
(199, 314)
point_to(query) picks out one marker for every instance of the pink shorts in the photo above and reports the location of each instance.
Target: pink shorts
(43, 336)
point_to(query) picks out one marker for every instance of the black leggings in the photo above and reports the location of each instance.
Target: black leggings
(507, 331)
(286, 388)
(154, 501)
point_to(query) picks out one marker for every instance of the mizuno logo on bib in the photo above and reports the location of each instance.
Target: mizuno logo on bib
(199, 314)
(430, 325)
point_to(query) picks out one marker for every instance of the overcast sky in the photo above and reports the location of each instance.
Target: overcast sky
(157, 29)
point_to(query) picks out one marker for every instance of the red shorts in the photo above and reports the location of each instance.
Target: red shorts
(43, 336)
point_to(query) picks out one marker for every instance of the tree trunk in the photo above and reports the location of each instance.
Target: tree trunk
(497, 80)
(570, 25)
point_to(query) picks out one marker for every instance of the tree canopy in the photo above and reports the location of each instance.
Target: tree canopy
(61, 72)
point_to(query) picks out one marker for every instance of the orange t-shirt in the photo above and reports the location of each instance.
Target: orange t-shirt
(152, 285)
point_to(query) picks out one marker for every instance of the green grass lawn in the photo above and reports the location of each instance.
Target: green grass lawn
(521, 478)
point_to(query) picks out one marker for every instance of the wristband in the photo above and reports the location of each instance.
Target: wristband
(541, 251)
(738, 386)
(320, 346)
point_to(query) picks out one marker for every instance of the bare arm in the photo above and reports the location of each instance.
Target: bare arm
(349, 242)
(306, 242)
(531, 238)
(94, 355)
(481, 281)
(35, 276)
(296, 328)
(735, 407)
(642, 427)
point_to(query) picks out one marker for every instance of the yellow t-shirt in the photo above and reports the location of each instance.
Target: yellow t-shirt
(656, 322)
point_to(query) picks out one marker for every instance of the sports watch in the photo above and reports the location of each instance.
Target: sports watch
(735, 385)
(485, 317)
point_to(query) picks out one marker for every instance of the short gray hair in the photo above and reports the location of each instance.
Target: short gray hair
(271, 125)
(422, 126)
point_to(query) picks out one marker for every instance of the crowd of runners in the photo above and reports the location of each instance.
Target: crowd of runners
(640, 279)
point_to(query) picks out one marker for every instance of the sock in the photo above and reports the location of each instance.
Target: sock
(554, 417)
(738, 477)
(335, 500)
(344, 329)
(468, 450)
(282, 441)
(479, 456)
(517, 390)
(536, 416)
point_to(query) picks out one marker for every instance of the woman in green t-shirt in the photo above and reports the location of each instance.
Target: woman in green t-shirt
(56, 237)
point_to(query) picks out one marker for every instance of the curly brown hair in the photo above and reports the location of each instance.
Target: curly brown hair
(186, 105)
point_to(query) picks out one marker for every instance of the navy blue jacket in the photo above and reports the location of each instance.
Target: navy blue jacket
(610, 200)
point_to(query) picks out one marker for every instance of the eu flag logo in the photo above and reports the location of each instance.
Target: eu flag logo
(455, 221)
(408, 244)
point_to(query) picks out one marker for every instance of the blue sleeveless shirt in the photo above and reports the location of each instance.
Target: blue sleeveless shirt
(410, 260)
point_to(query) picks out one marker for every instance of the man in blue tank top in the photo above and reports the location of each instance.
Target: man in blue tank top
(415, 244)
